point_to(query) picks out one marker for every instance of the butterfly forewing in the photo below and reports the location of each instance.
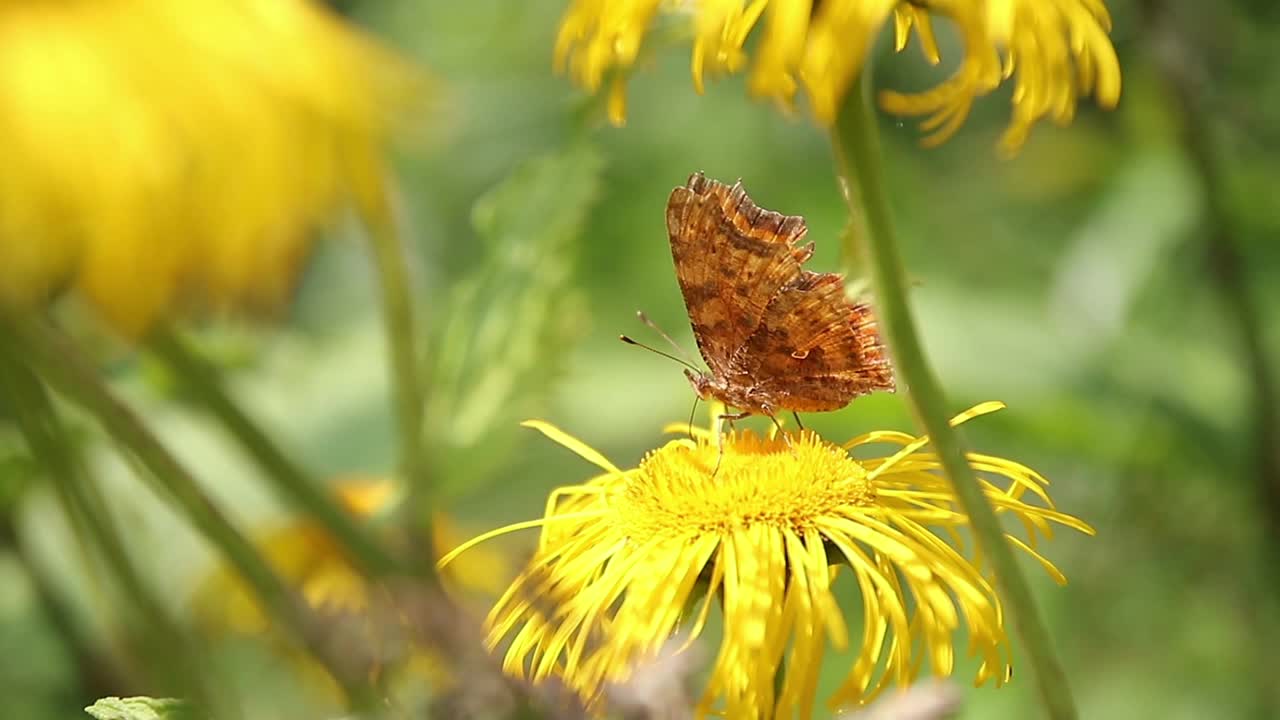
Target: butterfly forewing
(731, 258)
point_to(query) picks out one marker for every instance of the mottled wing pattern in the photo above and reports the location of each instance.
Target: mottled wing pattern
(814, 350)
(731, 259)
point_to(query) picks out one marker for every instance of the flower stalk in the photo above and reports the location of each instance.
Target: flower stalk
(856, 144)
(58, 362)
(205, 383)
(391, 264)
(85, 508)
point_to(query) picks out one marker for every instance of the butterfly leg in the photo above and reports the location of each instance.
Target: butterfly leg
(692, 410)
(786, 436)
(731, 419)
(781, 432)
(778, 426)
(796, 415)
(728, 419)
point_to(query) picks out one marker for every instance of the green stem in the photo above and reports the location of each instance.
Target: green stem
(97, 675)
(856, 143)
(86, 507)
(402, 344)
(57, 359)
(205, 383)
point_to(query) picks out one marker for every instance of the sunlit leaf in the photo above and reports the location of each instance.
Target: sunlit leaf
(501, 342)
(140, 708)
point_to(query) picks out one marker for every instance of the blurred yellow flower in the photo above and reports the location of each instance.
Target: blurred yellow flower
(366, 617)
(1055, 51)
(159, 153)
(307, 557)
(759, 529)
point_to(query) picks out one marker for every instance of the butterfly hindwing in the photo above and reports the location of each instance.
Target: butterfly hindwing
(813, 349)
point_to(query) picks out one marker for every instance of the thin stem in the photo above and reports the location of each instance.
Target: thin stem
(59, 363)
(97, 676)
(856, 143)
(205, 383)
(445, 626)
(86, 507)
(403, 349)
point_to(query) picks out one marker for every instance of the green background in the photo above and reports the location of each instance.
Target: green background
(1114, 284)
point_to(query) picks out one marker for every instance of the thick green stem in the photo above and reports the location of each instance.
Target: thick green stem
(205, 383)
(856, 143)
(402, 343)
(58, 362)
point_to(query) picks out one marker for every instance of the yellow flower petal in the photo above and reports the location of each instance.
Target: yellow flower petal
(1055, 51)
(573, 444)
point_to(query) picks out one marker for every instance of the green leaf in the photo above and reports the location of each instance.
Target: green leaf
(504, 333)
(140, 708)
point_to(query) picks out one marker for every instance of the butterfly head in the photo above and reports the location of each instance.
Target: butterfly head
(736, 395)
(702, 384)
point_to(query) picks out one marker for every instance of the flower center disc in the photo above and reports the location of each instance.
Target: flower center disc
(786, 481)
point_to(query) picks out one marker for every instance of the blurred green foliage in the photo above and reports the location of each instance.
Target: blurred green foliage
(1075, 282)
(497, 349)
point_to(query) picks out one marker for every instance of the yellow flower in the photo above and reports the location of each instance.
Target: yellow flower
(1054, 50)
(758, 529)
(160, 152)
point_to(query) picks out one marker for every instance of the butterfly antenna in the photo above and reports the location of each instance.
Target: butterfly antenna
(654, 326)
(632, 341)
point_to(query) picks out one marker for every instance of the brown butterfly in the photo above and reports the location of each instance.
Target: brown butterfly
(775, 336)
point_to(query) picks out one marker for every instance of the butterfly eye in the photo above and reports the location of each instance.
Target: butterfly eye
(799, 354)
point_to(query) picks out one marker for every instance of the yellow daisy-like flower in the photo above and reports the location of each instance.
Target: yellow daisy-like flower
(1054, 50)
(759, 529)
(158, 152)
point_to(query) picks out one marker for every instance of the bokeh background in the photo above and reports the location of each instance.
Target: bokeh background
(1115, 283)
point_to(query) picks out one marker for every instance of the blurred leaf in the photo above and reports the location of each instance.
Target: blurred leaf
(504, 334)
(1151, 205)
(140, 708)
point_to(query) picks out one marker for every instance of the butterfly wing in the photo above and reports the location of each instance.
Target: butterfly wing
(731, 258)
(814, 350)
